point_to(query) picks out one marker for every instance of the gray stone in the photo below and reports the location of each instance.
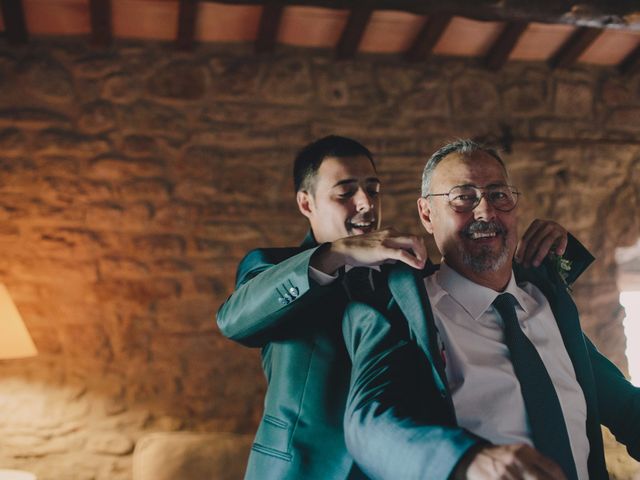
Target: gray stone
(474, 96)
(178, 80)
(574, 100)
(121, 88)
(288, 81)
(47, 78)
(97, 117)
(234, 77)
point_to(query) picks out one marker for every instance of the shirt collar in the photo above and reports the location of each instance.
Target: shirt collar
(474, 298)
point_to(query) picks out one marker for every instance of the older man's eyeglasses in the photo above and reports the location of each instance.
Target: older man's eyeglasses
(464, 198)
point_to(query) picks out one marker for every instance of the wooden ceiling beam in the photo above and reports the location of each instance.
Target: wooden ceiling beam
(100, 15)
(575, 46)
(187, 18)
(269, 27)
(353, 32)
(504, 45)
(595, 13)
(428, 37)
(631, 63)
(15, 25)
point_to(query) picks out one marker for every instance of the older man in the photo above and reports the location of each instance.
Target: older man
(290, 301)
(479, 369)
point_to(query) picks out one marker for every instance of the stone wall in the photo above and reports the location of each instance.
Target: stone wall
(133, 180)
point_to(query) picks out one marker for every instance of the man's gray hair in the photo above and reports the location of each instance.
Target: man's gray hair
(461, 146)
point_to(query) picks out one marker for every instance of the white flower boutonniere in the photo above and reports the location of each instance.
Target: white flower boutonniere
(563, 267)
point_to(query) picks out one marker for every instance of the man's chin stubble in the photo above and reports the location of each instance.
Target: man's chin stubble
(486, 260)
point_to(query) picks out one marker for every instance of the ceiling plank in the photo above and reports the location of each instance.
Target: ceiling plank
(428, 36)
(575, 45)
(504, 45)
(100, 15)
(269, 27)
(187, 18)
(353, 33)
(631, 63)
(621, 14)
(14, 21)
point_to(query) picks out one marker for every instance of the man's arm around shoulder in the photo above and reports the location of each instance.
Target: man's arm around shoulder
(271, 286)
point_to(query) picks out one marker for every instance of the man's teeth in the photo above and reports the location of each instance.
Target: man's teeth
(362, 225)
(477, 235)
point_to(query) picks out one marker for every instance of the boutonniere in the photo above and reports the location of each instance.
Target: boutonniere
(562, 267)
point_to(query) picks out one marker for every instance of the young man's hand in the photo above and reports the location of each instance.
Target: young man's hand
(369, 249)
(542, 237)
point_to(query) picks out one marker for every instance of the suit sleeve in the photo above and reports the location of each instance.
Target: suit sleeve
(387, 428)
(618, 401)
(268, 295)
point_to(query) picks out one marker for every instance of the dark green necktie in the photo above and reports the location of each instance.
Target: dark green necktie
(363, 284)
(546, 420)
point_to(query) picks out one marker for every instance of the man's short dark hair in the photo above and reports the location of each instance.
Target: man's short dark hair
(310, 158)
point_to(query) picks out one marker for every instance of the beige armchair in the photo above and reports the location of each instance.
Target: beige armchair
(191, 456)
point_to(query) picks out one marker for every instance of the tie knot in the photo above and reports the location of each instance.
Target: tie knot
(504, 301)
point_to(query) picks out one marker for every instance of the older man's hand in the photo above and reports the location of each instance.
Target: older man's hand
(507, 462)
(542, 237)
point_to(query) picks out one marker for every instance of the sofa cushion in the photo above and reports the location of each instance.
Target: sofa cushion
(191, 456)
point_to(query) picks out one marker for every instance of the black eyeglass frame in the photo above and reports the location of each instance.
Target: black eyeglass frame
(482, 193)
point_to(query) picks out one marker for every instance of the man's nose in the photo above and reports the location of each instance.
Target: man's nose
(364, 201)
(484, 210)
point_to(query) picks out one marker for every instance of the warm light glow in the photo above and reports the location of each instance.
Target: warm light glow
(15, 341)
(630, 300)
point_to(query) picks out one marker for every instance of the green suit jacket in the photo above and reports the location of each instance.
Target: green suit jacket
(400, 420)
(298, 325)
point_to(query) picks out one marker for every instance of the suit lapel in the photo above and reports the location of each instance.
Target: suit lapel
(566, 317)
(407, 288)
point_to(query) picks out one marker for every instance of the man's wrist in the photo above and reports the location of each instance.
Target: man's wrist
(327, 259)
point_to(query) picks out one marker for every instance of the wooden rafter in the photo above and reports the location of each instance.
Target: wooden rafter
(14, 21)
(593, 13)
(100, 15)
(353, 32)
(575, 45)
(428, 36)
(504, 45)
(631, 63)
(187, 16)
(269, 27)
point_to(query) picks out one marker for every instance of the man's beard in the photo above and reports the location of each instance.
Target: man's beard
(485, 259)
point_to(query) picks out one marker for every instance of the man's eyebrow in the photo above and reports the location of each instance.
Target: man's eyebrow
(354, 180)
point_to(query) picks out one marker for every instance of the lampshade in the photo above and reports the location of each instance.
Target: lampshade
(15, 341)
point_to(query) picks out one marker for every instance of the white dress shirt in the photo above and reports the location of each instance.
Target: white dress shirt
(486, 393)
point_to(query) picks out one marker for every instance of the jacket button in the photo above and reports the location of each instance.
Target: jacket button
(283, 301)
(294, 292)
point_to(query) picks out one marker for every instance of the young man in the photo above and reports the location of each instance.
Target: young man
(290, 302)
(479, 369)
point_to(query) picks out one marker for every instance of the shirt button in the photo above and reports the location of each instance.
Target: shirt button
(294, 292)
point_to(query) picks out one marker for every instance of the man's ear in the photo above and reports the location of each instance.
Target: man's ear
(424, 212)
(305, 203)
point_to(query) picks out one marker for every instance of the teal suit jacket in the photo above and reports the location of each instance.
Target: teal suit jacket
(400, 420)
(299, 327)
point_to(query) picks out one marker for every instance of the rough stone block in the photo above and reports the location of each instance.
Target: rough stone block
(474, 96)
(574, 100)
